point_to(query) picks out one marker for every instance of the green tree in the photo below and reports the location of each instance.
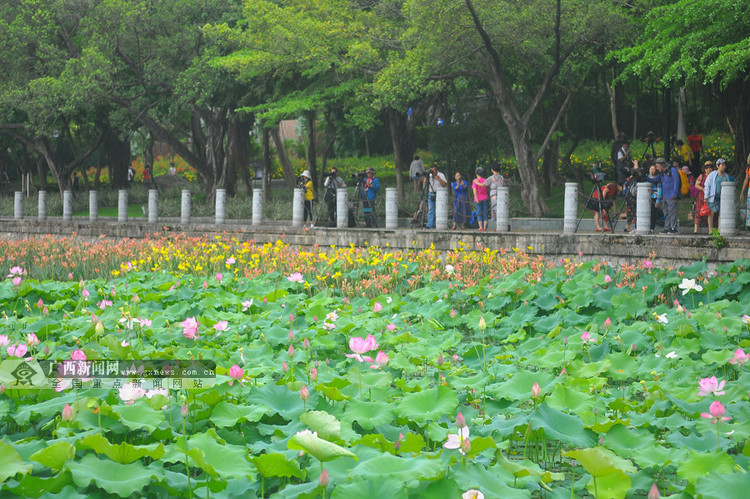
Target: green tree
(706, 41)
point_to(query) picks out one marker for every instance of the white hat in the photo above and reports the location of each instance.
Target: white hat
(306, 173)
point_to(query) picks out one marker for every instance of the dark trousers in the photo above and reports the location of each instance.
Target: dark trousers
(308, 210)
(368, 210)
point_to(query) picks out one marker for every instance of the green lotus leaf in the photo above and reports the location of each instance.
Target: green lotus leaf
(599, 461)
(325, 425)
(700, 464)
(428, 405)
(368, 414)
(35, 486)
(275, 464)
(384, 487)
(121, 453)
(55, 455)
(402, 468)
(614, 485)
(11, 462)
(115, 478)
(139, 415)
(226, 414)
(719, 485)
(317, 447)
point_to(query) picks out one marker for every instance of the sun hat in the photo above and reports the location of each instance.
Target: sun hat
(660, 161)
(371, 170)
(708, 163)
(686, 169)
(720, 161)
(306, 173)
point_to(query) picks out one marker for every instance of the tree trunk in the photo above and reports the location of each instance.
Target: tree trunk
(286, 165)
(42, 171)
(312, 161)
(266, 164)
(402, 139)
(527, 169)
(681, 103)
(331, 140)
(612, 91)
(118, 157)
(737, 112)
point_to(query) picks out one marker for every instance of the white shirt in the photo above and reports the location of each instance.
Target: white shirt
(434, 183)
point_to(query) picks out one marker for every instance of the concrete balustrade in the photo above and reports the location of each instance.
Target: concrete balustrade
(153, 206)
(221, 206)
(728, 209)
(570, 209)
(391, 208)
(42, 205)
(643, 208)
(441, 208)
(342, 208)
(185, 207)
(257, 207)
(67, 206)
(122, 205)
(298, 208)
(18, 205)
(93, 206)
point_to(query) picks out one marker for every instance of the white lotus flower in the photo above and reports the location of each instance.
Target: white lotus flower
(689, 284)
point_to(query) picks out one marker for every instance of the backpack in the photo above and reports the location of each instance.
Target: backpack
(684, 184)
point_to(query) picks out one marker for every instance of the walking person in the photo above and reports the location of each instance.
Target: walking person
(461, 211)
(481, 198)
(669, 178)
(713, 190)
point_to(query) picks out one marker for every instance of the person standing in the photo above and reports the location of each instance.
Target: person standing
(370, 188)
(493, 182)
(695, 141)
(416, 173)
(712, 191)
(616, 146)
(700, 199)
(332, 183)
(669, 178)
(745, 192)
(657, 199)
(309, 195)
(435, 179)
(601, 201)
(481, 198)
(624, 160)
(461, 211)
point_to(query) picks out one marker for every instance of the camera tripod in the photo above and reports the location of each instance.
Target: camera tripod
(419, 219)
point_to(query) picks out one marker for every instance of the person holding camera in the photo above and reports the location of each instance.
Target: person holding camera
(669, 178)
(332, 182)
(601, 202)
(435, 179)
(416, 173)
(624, 162)
(306, 183)
(370, 188)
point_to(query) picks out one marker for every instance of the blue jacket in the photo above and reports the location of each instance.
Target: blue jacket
(370, 191)
(670, 182)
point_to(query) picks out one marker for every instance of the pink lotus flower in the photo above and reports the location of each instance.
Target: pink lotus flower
(130, 393)
(236, 372)
(313, 374)
(4, 340)
(17, 281)
(17, 350)
(455, 441)
(296, 277)
(380, 360)
(77, 355)
(472, 494)
(104, 304)
(231, 261)
(377, 307)
(304, 393)
(67, 413)
(359, 346)
(607, 278)
(740, 357)
(16, 271)
(715, 413)
(648, 264)
(710, 386)
(205, 284)
(190, 328)
(246, 304)
(607, 322)
(746, 319)
(453, 313)
(391, 327)
(587, 338)
(221, 326)
(31, 339)
(145, 322)
(219, 277)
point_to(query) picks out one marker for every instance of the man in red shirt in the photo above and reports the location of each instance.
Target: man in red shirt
(695, 141)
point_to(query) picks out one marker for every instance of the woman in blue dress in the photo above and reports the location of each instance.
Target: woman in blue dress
(461, 208)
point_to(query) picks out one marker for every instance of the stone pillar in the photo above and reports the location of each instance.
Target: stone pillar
(441, 208)
(221, 206)
(122, 205)
(342, 208)
(42, 211)
(728, 209)
(643, 208)
(18, 205)
(93, 206)
(391, 208)
(67, 206)
(503, 209)
(185, 207)
(153, 206)
(570, 211)
(257, 207)
(298, 208)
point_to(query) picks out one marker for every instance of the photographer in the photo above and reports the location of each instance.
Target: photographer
(669, 178)
(624, 162)
(332, 182)
(416, 172)
(601, 201)
(435, 179)
(370, 188)
(306, 183)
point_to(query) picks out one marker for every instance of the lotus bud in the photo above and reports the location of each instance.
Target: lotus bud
(184, 410)
(304, 393)
(306, 344)
(465, 445)
(99, 328)
(314, 374)
(284, 367)
(67, 413)
(453, 313)
(536, 391)
(653, 493)
(455, 358)
(291, 317)
(440, 360)
(482, 323)
(291, 351)
(460, 421)
(40, 304)
(397, 445)
(634, 347)
(317, 364)
(135, 299)
(2, 388)
(324, 480)
(46, 350)
(291, 335)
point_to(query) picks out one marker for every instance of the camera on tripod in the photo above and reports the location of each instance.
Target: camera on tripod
(637, 174)
(359, 177)
(301, 181)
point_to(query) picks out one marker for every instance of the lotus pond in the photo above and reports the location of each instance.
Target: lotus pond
(364, 372)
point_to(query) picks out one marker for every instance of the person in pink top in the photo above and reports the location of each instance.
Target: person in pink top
(481, 198)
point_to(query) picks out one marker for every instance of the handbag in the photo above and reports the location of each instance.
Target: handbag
(704, 211)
